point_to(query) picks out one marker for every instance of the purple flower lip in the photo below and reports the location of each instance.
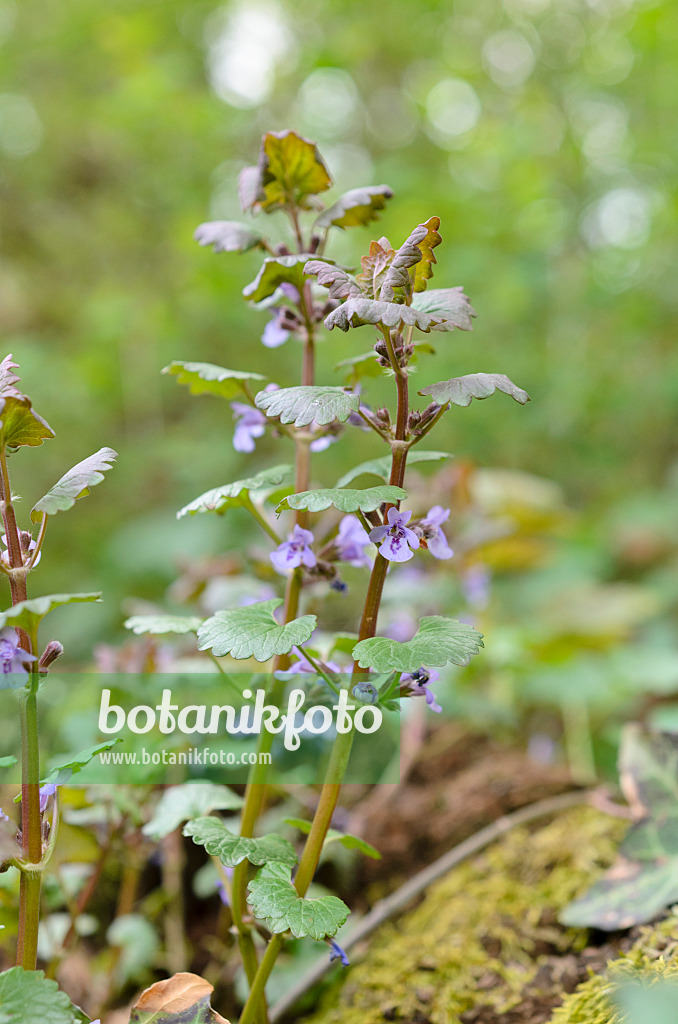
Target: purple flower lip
(294, 551)
(415, 684)
(46, 792)
(12, 657)
(397, 542)
(432, 536)
(351, 541)
(337, 953)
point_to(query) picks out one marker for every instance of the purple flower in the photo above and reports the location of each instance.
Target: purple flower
(435, 539)
(294, 551)
(250, 423)
(397, 539)
(305, 666)
(28, 545)
(351, 542)
(12, 657)
(46, 792)
(222, 889)
(274, 335)
(337, 953)
(3, 816)
(366, 692)
(321, 444)
(415, 684)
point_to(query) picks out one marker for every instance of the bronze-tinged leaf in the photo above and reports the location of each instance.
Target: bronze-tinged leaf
(20, 424)
(181, 999)
(412, 264)
(358, 207)
(340, 284)
(8, 378)
(290, 170)
(375, 266)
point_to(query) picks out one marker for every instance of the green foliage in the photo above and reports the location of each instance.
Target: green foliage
(382, 466)
(29, 614)
(7, 762)
(290, 171)
(74, 484)
(252, 632)
(345, 839)
(63, 773)
(161, 625)
(650, 998)
(20, 424)
(305, 405)
(276, 902)
(356, 312)
(221, 499)
(208, 379)
(460, 390)
(355, 208)
(228, 236)
(233, 849)
(343, 498)
(192, 800)
(438, 640)
(28, 996)
(276, 270)
(450, 303)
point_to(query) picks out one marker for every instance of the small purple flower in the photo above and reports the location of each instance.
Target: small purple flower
(12, 657)
(46, 792)
(397, 538)
(28, 546)
(3, 816)
(415, 684)
(222, 888)
(321, 444)
(337, 953)
(305, 666)
(294, 551)
(274, 335)
(366, 692)
(250, 423)
(351, 542)
(434, 538)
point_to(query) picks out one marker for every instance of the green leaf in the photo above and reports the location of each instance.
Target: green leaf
(277, 270)
(382, 466)
(340, 283)
(232, 849)
(360, 310)
(358, 367)
(220, 499)
(7, 762)
(460, 390)
(74, 484)
(348, 841)
(208, 379)
(20, 424)
(182, 999)
(439, 640)
(411, 266)
(450, 305)
(160, 625)
(192, 800)
(252, 632)
(644, 880)
(358, 207)
(275, 901)
(28, 614)
(290, 170)
(343, 498)
(228, 236)
(28, 997)
(63, 772)
(304, 405)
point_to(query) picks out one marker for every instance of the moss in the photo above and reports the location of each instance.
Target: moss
(485, 934)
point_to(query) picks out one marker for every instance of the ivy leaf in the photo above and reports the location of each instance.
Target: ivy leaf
(7, 762)
(355, 208)
(252, 632)
(191, 800)
(304, 405)
(277, 270)
(208, 379)
(644, 880)
(228, 236)
(460, 390)
(63, 772)
(28, 614)
(439, 640)
(290, 170)
(232, 849)
(28, 996)
(8, 378)
(348, 841)
(275, 901)
(451, 305)
(220, 499)
(181, 999)
(382, 466)
(358, 367)
(340, 283)
(161, 625)
(360, 310)
(411, 266)
(343, 498)
(20, 424)
(75, 484)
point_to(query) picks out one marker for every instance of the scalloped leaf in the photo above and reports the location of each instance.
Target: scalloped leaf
(20, 424)
(228, 236)
(7, 762)
(233, 849)
(450, 305)
(356, 368)
(62, 773)
(340, 283)
(161, 625)
(290, 169)
(28, 997)
(382, 466)
(304, 405)
(191, 800)
(411, 266)
(343, 498)
(253, 632)
(346, 839)
(359, 310)
(8, 378)
(277, 270)
(74, 484)
(28, 614)
(276, 902)
(438, 640)
(220, 499)
(208, 379)
(460, 390)
(182, 999)
(355, 208)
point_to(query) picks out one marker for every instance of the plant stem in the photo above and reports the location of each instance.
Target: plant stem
(261, 519)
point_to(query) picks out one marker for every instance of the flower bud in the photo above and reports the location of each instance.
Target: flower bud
(50, 654)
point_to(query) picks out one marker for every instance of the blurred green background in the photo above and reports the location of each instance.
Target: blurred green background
(541, 132)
